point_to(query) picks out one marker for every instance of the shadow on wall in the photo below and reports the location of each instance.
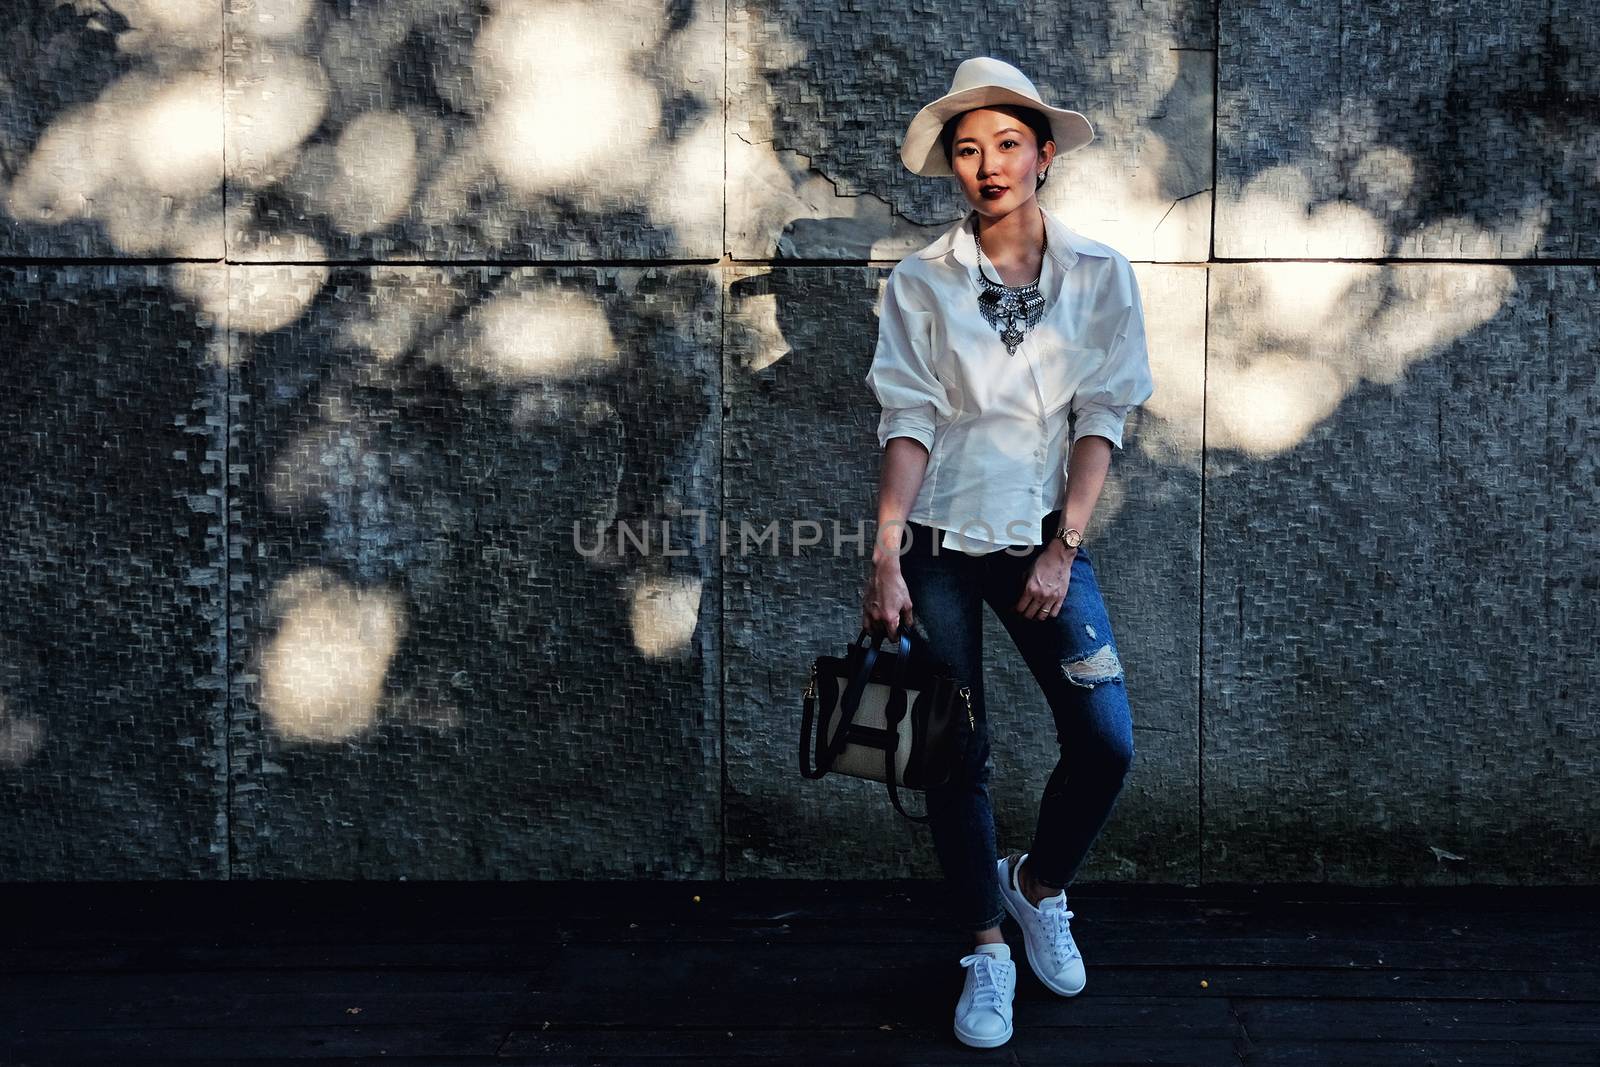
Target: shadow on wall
(408, 605)
(438, 128)
(414, 580)
(410, 455)
(112, 650)
(404, 450)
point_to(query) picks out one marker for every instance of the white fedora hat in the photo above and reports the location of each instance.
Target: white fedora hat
(979, 81)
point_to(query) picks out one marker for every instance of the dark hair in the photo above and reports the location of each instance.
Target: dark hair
(1033, 118)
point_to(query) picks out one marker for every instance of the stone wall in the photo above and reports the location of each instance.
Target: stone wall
(333, 336)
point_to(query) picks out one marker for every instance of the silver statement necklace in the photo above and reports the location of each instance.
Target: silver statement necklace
(1011, 309)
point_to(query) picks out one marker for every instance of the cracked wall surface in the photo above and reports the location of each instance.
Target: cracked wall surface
(379, 378)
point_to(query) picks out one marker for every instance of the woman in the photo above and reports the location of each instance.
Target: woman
(1010, 352)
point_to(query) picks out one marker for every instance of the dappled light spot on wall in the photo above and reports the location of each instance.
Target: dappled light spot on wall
(772, 188)
(540, 334)
(322, 674)
(1170, 427)
(1102, 198)
(171, 16)
(687, 194)
(1293, 340)
(1521, 225)
(176, 139)
(366, 179)
(388, 327)
(1431, 307)
(1145, 187)
(143, 159)
(151, 224)
(274, 102)
(1309, 300)
(20, 735)
(664, 613)
(1270, 405)
(165, 27)
(60, 180)
(671, 197)
(1283, 224)
(569, 106)
(279, 19)
(260, 299)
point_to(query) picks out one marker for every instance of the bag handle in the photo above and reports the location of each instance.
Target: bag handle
(827, 752)
(858, 682)
(851, 701)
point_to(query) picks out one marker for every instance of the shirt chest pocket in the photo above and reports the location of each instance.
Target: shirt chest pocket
(1061, 368)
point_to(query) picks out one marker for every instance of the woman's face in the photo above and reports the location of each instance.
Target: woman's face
(996, 160)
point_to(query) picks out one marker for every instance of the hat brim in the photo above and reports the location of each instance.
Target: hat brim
(922, 153)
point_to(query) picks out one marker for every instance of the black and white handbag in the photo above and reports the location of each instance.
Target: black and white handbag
(875, 715)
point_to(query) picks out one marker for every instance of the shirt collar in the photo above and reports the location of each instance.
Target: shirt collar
(960, 239)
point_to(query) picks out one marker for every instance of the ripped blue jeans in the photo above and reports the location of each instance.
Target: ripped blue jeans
(1074, 659)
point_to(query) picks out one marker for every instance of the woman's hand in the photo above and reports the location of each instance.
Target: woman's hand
(887, 603)
(1046, 588)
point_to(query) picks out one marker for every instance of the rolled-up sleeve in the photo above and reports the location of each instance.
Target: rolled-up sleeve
(1122, 381)
(902, 375)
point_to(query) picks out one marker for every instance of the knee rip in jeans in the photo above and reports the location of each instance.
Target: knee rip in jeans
(1101, 665)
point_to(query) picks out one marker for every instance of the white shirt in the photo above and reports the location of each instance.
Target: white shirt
(996, 425)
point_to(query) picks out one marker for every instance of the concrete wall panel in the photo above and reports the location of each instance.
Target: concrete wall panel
(447, 129)
(438, 673)
(113, 762)
(291, 578)
(1367, 130)
(1400, 546)
(805, 181)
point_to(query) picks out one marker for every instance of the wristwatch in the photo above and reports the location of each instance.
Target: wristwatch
(1072, 537)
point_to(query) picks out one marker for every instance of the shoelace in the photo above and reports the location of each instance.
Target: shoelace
(984, 970)
(1057, 918)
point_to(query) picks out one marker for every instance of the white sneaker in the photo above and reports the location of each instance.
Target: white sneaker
(1046, 932)
(983, 1013)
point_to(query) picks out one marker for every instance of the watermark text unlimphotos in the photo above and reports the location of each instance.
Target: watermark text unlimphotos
(776, 537)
